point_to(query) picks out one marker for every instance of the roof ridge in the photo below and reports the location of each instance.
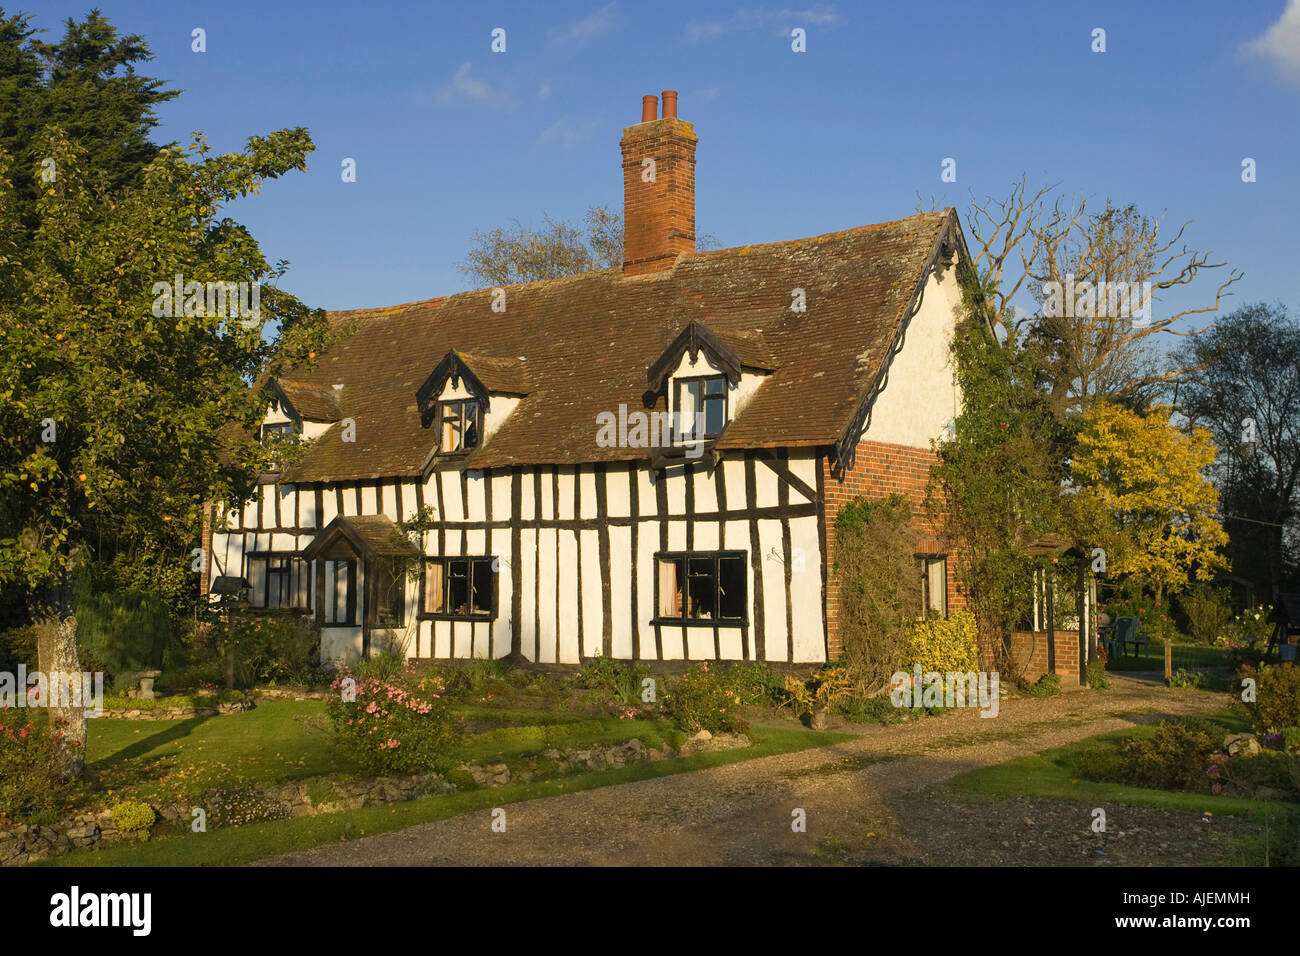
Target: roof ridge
(439, 301)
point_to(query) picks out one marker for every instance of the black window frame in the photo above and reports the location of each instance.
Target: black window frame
(280, 564)
(476, 421)
(330, 584)
(725, 397)
(716, 557)
(446, 565)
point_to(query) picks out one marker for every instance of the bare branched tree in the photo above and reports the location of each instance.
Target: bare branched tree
(1116, 260)
(515, 253)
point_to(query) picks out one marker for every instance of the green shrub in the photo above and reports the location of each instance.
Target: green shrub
(943, 644)
(1239, 776)
(1045, 686)
(880, 591)
(134, 817)
(1175, 757)
(30, 781)
(1185, 678)
(17, 646)
(1206, 610)
(1097, 679)
(756, 683)
(395, 725)
(1277, 697)
(701, 700)
(122, 631)
(617, 681)
(272, 649)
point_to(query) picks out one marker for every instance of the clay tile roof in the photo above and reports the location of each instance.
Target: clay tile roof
(314, 401)
(373, 535)
(579, 346)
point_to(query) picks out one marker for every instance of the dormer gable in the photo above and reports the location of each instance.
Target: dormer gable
(705, 378)
(467, 397)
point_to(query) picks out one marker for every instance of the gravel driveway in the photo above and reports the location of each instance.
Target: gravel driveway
(877, 799)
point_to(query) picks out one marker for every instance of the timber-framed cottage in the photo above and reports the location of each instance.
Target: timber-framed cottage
(641, 462)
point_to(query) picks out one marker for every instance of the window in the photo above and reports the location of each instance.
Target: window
(278, 431)
(279, 581)
(340, 593)
(463, 588)
(705, 396)
(389, 593)
(698, 588)
(934, 586)
(459, 426)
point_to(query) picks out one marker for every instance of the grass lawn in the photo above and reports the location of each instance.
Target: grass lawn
(1051, 775)
(225, 847)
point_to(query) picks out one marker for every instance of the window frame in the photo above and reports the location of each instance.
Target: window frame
(716, 557)
(679, 436)
(460, 404)
(329, 587)
(397, 575)
(444, 563)
(928, 612)
(287, 560)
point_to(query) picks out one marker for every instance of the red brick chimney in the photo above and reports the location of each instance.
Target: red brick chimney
(658, 196)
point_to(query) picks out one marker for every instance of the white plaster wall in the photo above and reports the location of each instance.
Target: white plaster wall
(921, 393)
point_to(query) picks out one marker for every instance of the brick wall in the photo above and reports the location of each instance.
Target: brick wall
(1029, 655)
(881, 470)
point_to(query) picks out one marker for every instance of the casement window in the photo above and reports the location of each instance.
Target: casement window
(702, 587)
(279, 431)
(460, 588)
(340, 605)
(279, 581)
(459, 424)
(934, 586)
(704, 396)
(389, 593)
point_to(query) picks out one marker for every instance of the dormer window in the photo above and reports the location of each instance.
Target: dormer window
(279, 431)
(461, 422)
(701, 406)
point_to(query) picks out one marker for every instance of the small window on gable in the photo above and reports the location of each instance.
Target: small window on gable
(701, 406)
(459, 425)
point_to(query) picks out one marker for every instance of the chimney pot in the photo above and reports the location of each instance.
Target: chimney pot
(649, 108)
(670, 104)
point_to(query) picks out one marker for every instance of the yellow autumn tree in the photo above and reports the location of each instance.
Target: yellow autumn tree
(1142, 496)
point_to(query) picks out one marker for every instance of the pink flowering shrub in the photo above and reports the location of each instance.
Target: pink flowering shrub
(397, 724)
(29, 778)
(702, 699)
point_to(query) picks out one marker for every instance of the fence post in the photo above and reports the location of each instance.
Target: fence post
(1169, 659)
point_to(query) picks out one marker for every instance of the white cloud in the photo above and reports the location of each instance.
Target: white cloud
(588, 28)
(1281, 43)
(756, 19)
(466, 88)
(567, 133)
(544, 92)
(704, 96)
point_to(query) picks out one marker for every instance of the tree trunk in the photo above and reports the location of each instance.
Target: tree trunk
(56, 652)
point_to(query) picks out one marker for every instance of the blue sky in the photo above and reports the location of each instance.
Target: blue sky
(450, 138)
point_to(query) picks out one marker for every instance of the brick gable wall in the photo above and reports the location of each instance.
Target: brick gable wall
(879, 471)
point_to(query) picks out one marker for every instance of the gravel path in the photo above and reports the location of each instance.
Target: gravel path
(877, 799)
